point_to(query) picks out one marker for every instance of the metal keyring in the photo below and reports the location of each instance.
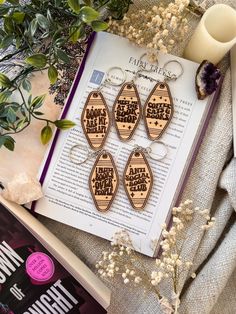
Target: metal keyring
(151, 153)
(174, 76)
(83, 147)
(141, 68)
(109, 80)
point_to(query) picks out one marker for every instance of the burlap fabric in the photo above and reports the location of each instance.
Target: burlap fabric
(212, 184)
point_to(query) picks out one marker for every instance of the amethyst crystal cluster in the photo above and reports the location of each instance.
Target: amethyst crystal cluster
(207, 78)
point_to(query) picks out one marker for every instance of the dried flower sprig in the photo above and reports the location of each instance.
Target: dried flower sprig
(157, 29)
(123, 261)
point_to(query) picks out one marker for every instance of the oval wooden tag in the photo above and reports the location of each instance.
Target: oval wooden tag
(104, 181)
(158, 110)
(95, 120)
(127, 111)
(138, 180)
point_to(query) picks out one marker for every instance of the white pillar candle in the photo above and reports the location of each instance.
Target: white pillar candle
(214, 36)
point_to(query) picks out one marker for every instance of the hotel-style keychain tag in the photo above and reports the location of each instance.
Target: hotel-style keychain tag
(159, 107)
(103, 179)
(138, 177)
(95, 118)
(127, 109)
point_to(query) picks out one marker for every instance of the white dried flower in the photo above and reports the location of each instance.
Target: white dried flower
(137, 279)
(155, 29)
(193, 275)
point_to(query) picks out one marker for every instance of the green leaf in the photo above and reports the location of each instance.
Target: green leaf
(4, 96)
(49, 16)
(8, 25)
(4, 10)
(4, 81)
(38, 113)
(64, 124)
(18, 42)
(58, 3)
(52, 74)
(2, 1)
(7, 141)
(4, 126)
(33, 27)
(74, 5)
(26, 85)
(29, 100)
(6, 41)
(11, 115)
(59, 42)
(38, 60)
(13, 1)
(21, 123)
(42, 21)
(76, 32)
(88, 14)
(98, 26)
(36, 3)
(46, 134)
(18, 17)
(38, 101)
(9, 144)
(62, 55)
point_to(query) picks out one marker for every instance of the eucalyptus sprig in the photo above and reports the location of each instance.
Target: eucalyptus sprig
(15, 117)
(36, 33)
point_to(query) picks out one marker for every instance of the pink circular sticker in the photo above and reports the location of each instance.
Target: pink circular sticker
(39, 266)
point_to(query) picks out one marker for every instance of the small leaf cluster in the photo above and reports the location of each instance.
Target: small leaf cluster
(15, 117)
(117, 8)
(42, 28)
(38, 32)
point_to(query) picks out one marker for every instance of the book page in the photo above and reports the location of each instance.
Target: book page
(67, 196)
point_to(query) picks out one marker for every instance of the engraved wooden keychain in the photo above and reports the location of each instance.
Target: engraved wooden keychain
(159, 107)
(138, 177)
(127, 109)
(95, 118)
(103, 179)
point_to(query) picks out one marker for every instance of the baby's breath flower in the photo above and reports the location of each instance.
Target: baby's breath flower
(137, 279)
(123, 261)
(188, 264)
(193, 275)
(158, 28)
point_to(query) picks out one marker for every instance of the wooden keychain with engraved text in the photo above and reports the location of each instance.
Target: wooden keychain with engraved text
(95, 118)
(159, 107)
(103, 179)
(138, 177)
(127, 109)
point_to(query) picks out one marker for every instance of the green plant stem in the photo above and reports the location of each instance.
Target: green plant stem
(10, 55)
(42, 119)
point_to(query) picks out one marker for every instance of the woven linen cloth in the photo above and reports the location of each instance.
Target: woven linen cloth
(212, 184)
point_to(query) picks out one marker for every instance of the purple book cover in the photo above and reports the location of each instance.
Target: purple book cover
(32, 281)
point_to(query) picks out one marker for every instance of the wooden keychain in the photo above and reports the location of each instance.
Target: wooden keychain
(159, 107)
(138, 177)
(127, 109)
(95, 117)
(103, 179)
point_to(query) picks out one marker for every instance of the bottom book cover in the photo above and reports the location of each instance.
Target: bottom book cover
(32, 281)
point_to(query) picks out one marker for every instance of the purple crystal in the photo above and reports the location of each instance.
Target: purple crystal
(206, 79)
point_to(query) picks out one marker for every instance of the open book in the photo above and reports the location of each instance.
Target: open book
(39, 274)
(65, 185)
